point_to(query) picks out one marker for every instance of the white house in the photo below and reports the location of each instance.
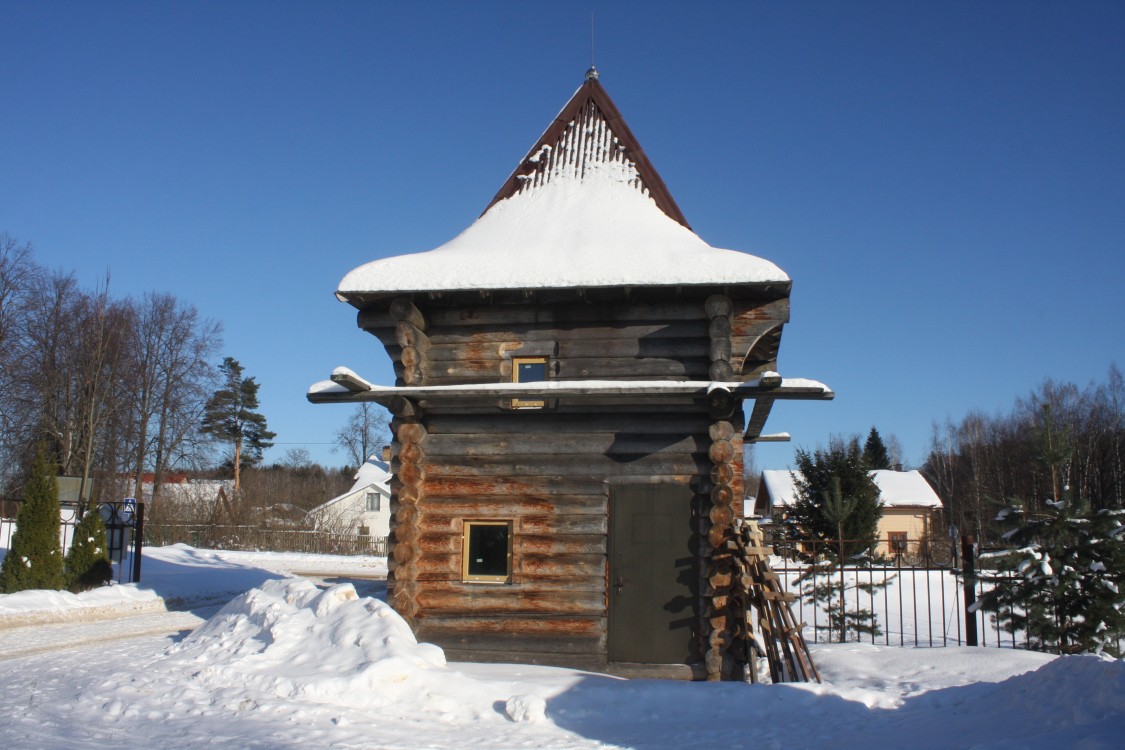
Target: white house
(365, 509)
(910, 505)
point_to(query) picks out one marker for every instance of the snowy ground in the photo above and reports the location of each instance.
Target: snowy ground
(292, 664)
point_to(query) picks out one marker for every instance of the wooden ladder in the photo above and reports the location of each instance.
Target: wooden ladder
(766, 626)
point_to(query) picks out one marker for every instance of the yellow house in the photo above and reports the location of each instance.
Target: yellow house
(911, 508)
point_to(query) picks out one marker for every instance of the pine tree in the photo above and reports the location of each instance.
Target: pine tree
(1061, 586)
(34, 560)
(230, 417)
(875, 453)
(87, 560)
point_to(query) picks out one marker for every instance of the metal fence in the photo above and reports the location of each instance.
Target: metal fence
(255, 538)
(912, 595)
(124, 524)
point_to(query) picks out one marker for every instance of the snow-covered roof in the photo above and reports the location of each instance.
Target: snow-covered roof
(373, 471)
(582, 211)
(896, 488)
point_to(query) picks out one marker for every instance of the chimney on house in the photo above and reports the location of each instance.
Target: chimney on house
(387, 453)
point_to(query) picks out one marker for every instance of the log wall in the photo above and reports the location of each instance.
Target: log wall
(548, 471)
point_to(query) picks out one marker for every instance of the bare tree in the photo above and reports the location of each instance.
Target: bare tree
(367, 430)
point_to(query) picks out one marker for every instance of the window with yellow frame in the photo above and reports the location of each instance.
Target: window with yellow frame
(486, 552)
(529, 370)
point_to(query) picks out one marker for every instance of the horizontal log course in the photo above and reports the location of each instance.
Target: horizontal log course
(444, 566)
(540, 422)
(574, 465)
(554, 586)
(593, 662)
(437, 540)
(535, 489)
(532, 333)
(752, 319)
(584, 347)
(514, 635)
(468, 505)
(563, 315)
(464, 371)
(535, 444)
(481, 599)
(440, 519)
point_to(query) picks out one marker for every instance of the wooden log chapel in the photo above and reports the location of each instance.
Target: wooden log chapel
(576, 375)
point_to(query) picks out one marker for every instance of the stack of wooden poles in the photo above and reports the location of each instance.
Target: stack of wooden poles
(766, 626)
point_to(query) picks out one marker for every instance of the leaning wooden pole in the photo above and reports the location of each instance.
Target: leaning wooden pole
(777, 634)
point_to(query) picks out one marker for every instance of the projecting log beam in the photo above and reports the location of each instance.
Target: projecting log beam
(404, 311)
(351, 381)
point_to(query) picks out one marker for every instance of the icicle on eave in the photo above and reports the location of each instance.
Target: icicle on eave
(586, 145)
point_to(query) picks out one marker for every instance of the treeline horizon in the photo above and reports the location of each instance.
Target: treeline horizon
(113, 387)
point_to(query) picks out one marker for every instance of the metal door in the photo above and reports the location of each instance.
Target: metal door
(651, 575)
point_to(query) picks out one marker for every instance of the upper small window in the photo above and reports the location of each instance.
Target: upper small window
(373, 501)
(528, 370)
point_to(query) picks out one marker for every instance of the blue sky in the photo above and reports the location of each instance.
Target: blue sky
(945, 182)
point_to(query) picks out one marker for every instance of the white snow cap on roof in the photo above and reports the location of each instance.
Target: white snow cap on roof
(586, 221)
(896, 488)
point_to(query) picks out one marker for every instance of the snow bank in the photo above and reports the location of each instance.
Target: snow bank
(289, 638)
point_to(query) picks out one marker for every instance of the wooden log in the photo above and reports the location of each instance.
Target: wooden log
(674, 467)
(539, 422)
(403, 310)
(607, 444)
(721, 451)
(439, 519)
(721, 515)
(719, 328)
(562, 316)
(410, 432)
(411, 453)
(721, 371)
(412, 358)
(718, 305)
(722, 474)
(722, 430)
(447, 566)
(403, 407)
(721, 403)
(505, 600)
(410, 336)
(720, 350)
(582, 348)
(447, 541)
(535, 488)
(530, 333)
(441, 502)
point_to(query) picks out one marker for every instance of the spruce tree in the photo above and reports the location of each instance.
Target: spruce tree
(824, 473)
(35, 560)
(875, 453)
(1060, 587)
(87, 560)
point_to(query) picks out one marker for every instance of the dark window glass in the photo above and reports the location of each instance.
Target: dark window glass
(531, 372)
(488, 550)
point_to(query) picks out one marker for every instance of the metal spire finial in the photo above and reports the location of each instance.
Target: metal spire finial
(592, 74)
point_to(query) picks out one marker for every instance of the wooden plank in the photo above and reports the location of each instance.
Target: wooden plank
(464, 371)
(533, 489)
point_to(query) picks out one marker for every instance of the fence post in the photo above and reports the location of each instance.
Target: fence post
(969, 573)
(138, 540)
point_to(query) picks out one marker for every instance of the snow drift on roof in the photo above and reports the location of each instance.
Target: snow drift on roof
(583, 218)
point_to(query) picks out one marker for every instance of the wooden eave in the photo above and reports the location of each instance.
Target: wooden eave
(592, 90)
(350, 388)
